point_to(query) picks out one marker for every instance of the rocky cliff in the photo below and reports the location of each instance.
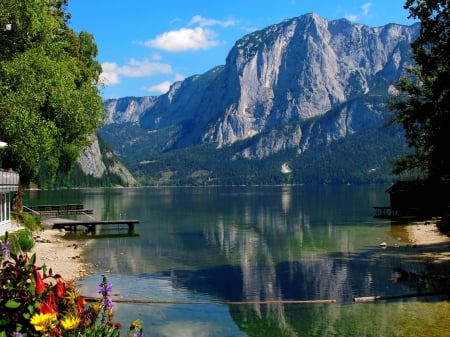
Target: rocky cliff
(100, 164)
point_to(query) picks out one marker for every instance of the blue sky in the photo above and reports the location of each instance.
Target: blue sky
(146, 45)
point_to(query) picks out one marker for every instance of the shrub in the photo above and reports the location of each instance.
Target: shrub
(28, 220)
(21, 240)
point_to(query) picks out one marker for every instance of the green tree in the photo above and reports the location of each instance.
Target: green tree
(422, 108)
(49, 96)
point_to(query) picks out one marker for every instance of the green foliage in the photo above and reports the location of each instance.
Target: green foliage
(21, 241)
(28, 220)
(423, 106)
(49, 100)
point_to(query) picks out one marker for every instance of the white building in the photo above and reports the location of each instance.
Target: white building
(9, 184)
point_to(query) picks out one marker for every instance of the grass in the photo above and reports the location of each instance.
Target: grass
(22, 239)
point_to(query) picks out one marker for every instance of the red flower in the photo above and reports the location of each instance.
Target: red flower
(60, 289)
(40, 285)
(80, 304)
(56, 331)
(51, 300)
(45, 308)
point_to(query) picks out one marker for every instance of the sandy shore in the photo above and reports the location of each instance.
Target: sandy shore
(63, 255)
(431, 243)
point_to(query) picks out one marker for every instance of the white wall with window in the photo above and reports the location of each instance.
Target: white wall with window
(5, 214)
(9, 183)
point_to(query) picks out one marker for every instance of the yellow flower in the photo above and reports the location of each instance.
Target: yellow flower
(96, 307)
(43, 322)
(72, 295)
(70, 322)
(136, 325)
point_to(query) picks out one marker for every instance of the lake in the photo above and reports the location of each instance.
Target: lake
(201, 252)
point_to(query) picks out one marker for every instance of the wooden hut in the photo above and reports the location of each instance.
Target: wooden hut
(419, 198)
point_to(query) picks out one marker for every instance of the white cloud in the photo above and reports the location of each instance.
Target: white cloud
(351, 17)
(365, 11)
(111, 72)
(164, 87)
(136, 68)
(178, 77)
(366, 8)
(156, 57)
(202, 22)
(193, 37)
(184, 39)
(109, 75)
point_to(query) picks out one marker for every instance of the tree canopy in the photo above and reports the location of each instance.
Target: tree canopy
(49, 96)
(422, 108)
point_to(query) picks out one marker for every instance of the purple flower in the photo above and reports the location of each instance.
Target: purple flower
(105, 288)
(107, 303)
(5, 247)
(137, 334)
(16, 334)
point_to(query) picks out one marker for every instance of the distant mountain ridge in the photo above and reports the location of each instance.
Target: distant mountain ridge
(295, 87)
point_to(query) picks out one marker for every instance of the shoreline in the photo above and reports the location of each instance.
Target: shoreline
(433, 246)
(60, 253)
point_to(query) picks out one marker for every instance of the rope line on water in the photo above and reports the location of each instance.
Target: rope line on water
(355, 299)
(149, 301)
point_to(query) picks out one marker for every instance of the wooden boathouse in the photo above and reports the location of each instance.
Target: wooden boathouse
(417, 198)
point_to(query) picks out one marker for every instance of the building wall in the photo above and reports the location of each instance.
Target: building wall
(5, 214)
(9, 183)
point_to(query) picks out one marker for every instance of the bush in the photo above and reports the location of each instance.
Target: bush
(28, 220)
(21, 241)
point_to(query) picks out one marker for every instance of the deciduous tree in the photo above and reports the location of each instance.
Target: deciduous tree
(49, 96)
(422, 108)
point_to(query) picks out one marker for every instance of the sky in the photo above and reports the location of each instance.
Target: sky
(146, 45)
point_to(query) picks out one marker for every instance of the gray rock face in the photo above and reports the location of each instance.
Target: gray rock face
(127, 109)
(301, 82)
(90, 160)
(92, 163)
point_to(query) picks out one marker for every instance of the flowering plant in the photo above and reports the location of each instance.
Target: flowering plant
(36, 302)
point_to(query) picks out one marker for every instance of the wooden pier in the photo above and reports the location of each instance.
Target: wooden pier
(385, 212)
(91, 226)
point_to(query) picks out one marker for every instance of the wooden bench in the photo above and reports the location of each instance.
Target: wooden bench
(71, 226)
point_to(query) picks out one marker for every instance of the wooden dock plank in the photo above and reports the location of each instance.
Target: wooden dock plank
(91, 225)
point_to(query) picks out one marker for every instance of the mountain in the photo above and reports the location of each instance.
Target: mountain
(301, 101)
